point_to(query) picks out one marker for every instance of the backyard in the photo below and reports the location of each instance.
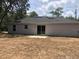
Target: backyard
(27, 47)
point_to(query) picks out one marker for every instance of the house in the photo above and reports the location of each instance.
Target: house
(45, 26)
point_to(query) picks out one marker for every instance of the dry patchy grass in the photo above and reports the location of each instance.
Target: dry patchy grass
(33, 48)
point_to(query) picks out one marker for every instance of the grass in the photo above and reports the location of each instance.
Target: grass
(22, 47)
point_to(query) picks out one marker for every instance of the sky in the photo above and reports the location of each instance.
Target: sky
(43, 7)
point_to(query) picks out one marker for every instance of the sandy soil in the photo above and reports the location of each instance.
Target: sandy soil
(23, 47)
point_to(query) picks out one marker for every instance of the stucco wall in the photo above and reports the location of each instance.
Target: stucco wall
(62, 29)
(21, 30)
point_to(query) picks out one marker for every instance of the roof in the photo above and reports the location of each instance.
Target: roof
(46, 20)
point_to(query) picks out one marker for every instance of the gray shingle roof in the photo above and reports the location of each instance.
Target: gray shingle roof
(46, 20)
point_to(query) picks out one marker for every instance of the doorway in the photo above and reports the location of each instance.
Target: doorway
(41, 29)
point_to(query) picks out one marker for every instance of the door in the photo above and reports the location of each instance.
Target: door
(40, 29)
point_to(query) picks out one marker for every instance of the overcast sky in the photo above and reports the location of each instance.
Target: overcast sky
(42, 7)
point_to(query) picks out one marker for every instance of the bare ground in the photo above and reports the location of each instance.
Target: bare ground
(22, 47)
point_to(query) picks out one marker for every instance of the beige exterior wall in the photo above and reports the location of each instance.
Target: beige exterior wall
(62, 29)
(21, 30)
(51, 29)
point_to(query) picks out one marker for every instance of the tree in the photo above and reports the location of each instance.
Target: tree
(33, 14)
(70, 17)
(11, 7)
(57, 12)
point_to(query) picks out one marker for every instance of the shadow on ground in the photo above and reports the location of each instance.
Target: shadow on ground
(6, 35)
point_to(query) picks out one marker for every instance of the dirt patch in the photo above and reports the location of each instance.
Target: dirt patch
(39, 48)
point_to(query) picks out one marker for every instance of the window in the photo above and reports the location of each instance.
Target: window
(26, 27)
(14, 27)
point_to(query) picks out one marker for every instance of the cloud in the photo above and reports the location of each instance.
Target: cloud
(48, 5)
(42, 7)
(68, 13)
(44, 1)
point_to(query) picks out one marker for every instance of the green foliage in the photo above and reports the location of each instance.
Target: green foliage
(57, 12)
(33, 14)
(70, 17)
(11, 10)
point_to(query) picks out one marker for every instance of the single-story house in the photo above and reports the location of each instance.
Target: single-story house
(45, 26)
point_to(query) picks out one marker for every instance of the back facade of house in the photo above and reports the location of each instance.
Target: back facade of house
(45, 26)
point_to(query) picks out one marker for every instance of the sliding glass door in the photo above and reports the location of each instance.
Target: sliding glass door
(40, 29)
